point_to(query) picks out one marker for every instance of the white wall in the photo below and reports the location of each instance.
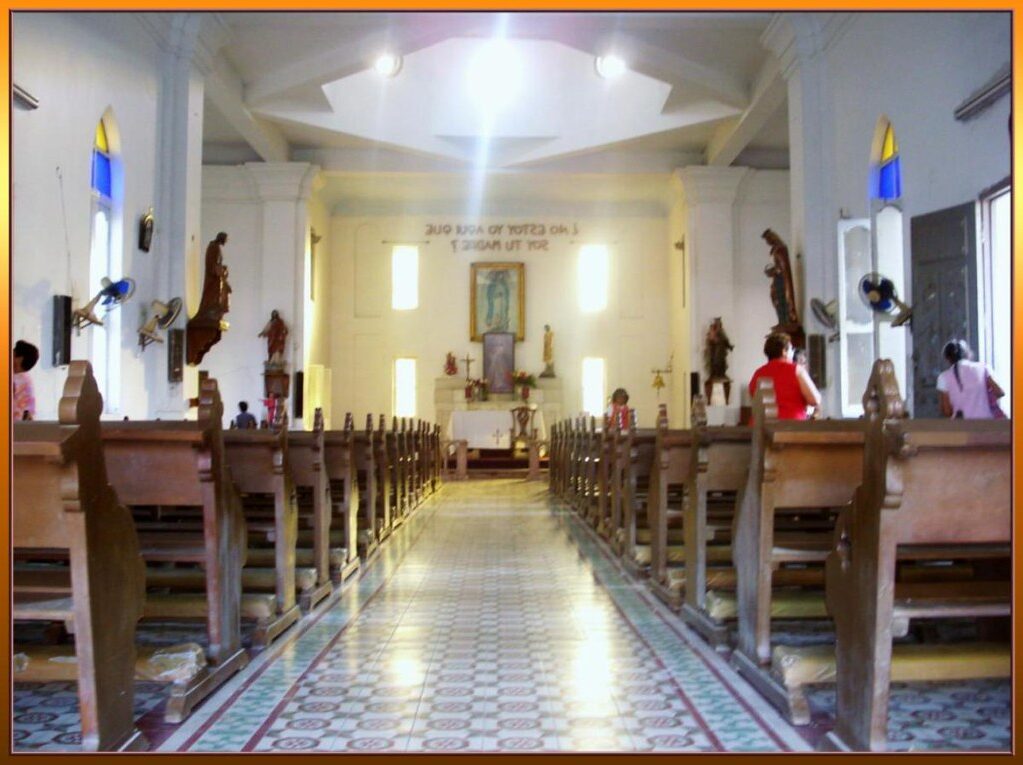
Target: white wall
(632, 334)
(78, 65)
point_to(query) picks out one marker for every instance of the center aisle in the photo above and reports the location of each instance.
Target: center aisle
(491, 622)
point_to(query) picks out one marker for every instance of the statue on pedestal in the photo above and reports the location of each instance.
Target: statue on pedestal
(783, 294)
(715, 359)
(276, 333)
(204, 329)
(548, 352)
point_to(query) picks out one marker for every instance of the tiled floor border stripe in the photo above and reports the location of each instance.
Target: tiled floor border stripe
(359, 607)
(644, 596)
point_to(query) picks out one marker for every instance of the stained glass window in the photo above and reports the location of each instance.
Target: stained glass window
(889, 172)
(101, 162)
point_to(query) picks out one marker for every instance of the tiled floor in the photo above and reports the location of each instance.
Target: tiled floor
(494, 621)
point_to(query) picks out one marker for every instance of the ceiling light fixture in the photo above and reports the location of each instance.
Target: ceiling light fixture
(387, 65)
(610, 66)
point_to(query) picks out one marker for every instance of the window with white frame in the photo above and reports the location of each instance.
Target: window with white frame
(404, 278)
(105, 261)
(594, 390)
(996, 292)
(594, 277)
(405, 387)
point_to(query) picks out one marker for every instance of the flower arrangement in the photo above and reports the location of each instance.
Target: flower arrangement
(522, 378)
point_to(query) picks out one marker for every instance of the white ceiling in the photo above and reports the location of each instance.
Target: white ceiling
(301, 85)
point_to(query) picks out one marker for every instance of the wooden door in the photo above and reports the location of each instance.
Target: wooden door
(944, 298)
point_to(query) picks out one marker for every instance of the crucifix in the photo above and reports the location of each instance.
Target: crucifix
(468, 363)
(497, 436)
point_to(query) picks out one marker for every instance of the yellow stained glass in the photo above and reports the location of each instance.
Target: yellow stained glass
(101, 138)
(890, 148)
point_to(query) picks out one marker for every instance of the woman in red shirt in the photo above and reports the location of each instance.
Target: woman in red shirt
(793, 389)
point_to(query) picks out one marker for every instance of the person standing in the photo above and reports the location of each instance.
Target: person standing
(23, 403)
(967, 389)
(794, 391)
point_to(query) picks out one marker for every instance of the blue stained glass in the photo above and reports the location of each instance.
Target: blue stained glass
(889, 181)
(101, 173)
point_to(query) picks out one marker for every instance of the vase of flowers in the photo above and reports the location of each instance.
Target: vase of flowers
(523, 381)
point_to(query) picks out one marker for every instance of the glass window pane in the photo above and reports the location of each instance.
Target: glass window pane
(404, 278)
(889, 181)
(859, 361)
(593, 386)
(856, 243)
(594, 271)
(1001, 294)
(101, 173)
(405, 387)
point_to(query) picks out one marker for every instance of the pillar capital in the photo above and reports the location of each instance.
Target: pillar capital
(283, 181)
(710, 185)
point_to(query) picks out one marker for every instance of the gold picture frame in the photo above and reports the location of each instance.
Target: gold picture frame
(497, 301)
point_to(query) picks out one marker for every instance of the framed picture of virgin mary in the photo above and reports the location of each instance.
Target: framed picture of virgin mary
(497, 299)
(499, 361)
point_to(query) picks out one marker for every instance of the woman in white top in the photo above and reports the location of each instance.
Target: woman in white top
(966, 389)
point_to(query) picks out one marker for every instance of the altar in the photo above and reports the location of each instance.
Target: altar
(488, 424)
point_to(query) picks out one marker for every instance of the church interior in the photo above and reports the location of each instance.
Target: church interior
(398, 383)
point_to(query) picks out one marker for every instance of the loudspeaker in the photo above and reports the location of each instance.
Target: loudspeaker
(299, 394)
(694, 385)
(175, 355)
(816, 359)
(61, 330)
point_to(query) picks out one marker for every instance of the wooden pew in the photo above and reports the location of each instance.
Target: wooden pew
(638, 454)
(174, 464)
(367, 460)
(669, 484)
(307, 457)
(924, 483)
(718, 466)
(389, 480)
(801, 467)
(259, 465)
(62, 501)
(602, 487)
(344, 495)
(554, 471)
(436, 457)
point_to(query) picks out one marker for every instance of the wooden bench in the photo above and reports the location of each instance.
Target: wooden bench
(307, 458)
(343, 480)
(173, 464)
(799, 466)
(61, 501)
(638, 455)
(259, 465)
(924, 483)
(717, 469)
(668, 493)
(367, 460)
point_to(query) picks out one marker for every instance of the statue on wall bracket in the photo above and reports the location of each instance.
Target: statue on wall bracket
(205, 328)
(783, 293)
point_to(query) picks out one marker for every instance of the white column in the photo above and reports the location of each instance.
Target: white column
(801, 41)
(708, 196)
(189, 42)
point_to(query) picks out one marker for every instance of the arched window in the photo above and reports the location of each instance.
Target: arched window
(105, 258)
(888, 176)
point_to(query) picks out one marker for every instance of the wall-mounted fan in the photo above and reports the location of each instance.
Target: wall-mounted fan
(826, 314)
(111, 293)
(879, 294)
(161, 316)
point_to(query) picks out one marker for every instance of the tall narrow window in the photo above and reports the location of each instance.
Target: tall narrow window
(888, 178)
(997, 351)
(594, 272)
(105, 261)
(404, 387)
(593, 386)
(404, 278)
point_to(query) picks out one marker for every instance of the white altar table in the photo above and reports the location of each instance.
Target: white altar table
(488, 428)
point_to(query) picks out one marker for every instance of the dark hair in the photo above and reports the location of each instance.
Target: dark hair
(243, 405)
(221, 237)
(954, 352)
(620, 392)
(775, 344)
(28, 353)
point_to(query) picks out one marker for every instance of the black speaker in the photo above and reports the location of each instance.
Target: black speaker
(298, 395)
(175, 355)
(694, 385)
(816, 359)
(61, 330)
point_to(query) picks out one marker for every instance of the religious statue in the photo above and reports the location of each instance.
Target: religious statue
(275, 332)
(715, 359)
(216, 292)
(783, 294)
(548, 352)
(450, 365)
(782, 291)
(715, 353)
